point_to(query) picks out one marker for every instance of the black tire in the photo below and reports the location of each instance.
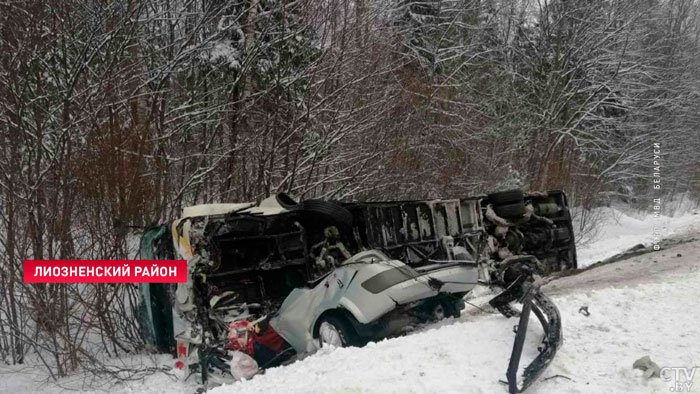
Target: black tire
(348, 336)
(286, 201)
(326, 212)
(506, 197)
(450, 308)
(456, 307)
(514, 210)
(573, 262)
(573, 258)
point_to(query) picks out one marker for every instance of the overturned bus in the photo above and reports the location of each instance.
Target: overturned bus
(280, 278)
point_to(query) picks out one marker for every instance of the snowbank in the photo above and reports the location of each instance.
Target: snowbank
(33, 379)
(618, 230)
(471, 354)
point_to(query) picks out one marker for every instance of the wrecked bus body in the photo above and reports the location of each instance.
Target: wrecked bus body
(344, 273)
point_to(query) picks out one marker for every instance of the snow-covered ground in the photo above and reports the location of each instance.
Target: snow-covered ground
(618, 230)
(641, 306)
(32, 379)
(634, 318)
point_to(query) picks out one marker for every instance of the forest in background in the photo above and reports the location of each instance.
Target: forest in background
(116, 114)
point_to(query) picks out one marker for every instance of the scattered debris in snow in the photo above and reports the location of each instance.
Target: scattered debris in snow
(641, 308)
(469, 354)
(650, 368)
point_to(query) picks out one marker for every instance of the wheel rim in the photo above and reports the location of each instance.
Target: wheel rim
(439, 312)
(330, 335)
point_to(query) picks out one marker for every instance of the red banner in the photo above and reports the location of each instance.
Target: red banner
(105, 271)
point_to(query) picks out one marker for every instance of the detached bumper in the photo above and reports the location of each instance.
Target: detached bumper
(549, 317)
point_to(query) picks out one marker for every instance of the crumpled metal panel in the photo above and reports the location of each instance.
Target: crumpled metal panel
(395, 224)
